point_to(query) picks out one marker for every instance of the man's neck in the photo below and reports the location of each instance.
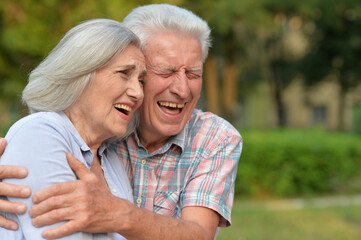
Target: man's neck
(152, 142)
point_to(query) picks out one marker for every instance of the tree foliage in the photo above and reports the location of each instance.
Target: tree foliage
(335, 47)
(30, 29)
(336, 43)
(257, 37)
(253, 40)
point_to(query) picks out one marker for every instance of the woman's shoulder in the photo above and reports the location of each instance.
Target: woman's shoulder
(37, 137)
(35, 124)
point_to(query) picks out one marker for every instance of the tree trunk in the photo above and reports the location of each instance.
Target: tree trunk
(211, 86)
(229, 91)
(281, 114)
(341, 126)
(277, 89)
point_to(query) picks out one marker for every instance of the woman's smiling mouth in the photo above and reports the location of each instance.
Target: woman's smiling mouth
(125, 109)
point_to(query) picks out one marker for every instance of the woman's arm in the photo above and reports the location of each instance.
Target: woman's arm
(7, 190)
(42, 149)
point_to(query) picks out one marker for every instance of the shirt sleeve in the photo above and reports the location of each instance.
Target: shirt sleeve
(40, 147)
(211, 182)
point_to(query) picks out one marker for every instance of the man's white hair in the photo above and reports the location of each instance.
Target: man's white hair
(147, 20)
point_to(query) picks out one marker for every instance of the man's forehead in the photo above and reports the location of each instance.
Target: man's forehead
(162, 63)
(168, 55)
(172, 68)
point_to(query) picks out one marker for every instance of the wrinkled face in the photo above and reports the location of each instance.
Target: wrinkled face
(108, 102)
(174, 82)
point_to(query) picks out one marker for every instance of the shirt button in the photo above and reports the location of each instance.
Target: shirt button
(114, 190)
(139, 200)
(144, 161)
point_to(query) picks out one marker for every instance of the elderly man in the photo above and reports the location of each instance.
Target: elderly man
(181, 162)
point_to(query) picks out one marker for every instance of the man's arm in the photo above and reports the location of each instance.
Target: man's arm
(195, 223)
(11, 190)
(96, 210)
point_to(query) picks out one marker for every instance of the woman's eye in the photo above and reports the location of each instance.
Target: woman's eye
(125, 72)
(142, 82)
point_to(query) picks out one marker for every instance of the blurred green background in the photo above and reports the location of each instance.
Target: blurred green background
(286, 73)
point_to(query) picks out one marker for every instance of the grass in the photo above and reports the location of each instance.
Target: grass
(257, 222)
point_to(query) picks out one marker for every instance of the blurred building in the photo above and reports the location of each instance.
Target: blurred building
(318, 106)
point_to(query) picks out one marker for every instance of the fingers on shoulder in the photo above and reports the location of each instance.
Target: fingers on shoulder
(2, 145)
(10, 190)
(61, 231)
(8, 224)
(8, 171)
(54, 190)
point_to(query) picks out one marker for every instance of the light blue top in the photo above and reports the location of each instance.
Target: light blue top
(40, 143)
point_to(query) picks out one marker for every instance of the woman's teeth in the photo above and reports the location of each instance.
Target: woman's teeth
(123, 108)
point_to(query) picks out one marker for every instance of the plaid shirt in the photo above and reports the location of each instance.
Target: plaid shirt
(197, 167)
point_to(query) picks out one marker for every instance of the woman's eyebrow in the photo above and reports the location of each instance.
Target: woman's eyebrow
(127, 66)
(143, 73)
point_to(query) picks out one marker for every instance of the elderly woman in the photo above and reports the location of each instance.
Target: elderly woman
(85, 92)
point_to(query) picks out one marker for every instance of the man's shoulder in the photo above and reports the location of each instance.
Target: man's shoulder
(200, 115)
(206, 121)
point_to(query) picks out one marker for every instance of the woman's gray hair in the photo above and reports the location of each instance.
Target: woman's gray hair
(146, 20)
(62, 76)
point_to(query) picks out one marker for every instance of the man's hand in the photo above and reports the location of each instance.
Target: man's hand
(11, 191)
(89, 207)
(85, 203)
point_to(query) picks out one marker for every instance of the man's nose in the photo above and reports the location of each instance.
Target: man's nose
(180, 85)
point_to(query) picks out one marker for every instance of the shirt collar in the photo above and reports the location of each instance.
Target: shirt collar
(78, 139)
(177, 140)
(102, 150)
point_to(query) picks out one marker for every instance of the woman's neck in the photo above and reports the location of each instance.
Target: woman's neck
(86, 132)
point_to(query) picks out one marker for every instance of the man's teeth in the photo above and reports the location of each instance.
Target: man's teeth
(172, 105)
(123, 106)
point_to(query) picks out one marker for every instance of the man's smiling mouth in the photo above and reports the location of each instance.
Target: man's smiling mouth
(171, 106)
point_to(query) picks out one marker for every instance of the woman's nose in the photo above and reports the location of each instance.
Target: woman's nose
(135, 90)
